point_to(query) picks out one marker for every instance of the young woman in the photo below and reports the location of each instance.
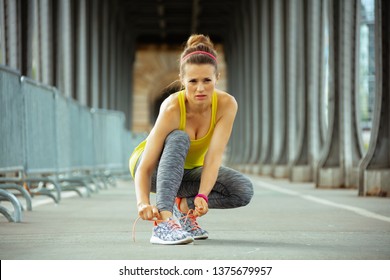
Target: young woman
(181, 158)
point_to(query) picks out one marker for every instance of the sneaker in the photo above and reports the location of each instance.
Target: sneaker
(189, 224)
(170, 233)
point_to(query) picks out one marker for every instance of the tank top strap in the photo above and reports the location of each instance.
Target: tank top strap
(182, 110)
(214, 108)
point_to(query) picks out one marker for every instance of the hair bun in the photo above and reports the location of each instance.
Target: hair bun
(199, 49)
(199, 39)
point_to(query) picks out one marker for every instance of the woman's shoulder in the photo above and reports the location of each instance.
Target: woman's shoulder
(225, 100)
(171, 103)
(169, 115)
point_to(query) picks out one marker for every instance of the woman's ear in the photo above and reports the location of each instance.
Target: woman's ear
(217, 76)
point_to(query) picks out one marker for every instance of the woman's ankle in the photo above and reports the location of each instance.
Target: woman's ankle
(183, 207)
(165, 215)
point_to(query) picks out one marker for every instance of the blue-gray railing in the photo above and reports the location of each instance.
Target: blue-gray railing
(50, 143)
(12, 152)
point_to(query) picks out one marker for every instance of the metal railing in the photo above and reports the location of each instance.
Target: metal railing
(50, 144)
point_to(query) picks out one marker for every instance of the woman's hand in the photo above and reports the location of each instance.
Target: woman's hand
(201, 206)
(148, 212)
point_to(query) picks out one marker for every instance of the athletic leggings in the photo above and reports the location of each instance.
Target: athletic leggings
(170, 180)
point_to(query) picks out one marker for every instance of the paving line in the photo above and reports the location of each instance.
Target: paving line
(45, 201)
(357, 210)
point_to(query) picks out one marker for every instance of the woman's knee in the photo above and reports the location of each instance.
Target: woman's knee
(178, 136)
(246, 192)
(243, 191)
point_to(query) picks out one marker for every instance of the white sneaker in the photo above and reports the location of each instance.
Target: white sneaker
(189, 224)
(170, 233)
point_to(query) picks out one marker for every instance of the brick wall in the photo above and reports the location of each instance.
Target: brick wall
(155, 68)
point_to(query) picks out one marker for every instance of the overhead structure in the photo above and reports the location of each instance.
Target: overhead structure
(293, 67)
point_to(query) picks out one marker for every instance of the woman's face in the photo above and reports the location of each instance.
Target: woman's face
(199, 81)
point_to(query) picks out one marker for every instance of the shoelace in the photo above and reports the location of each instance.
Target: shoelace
(190, 215)
(134, 224)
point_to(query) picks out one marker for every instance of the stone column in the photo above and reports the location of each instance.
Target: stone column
(374, 169)
(254, 75)
(81, 54)
(278, 94)
(338, 164)
(64, 79)
(95, 49)
(46, 41)
(13, 41)
(308, 98)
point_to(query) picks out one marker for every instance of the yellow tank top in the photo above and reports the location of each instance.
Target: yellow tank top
(198, 148)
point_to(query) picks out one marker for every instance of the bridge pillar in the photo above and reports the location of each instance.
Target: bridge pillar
(242, 44)
(374, 169)
(95, 51)
(235, 84)
(338, 164)
(64, 59)
(308, 90)
(12, 43)
(279, 157)
(254, 88)
(294, 62)
(249, 123)
(265, 89)
(81, 54)
(45, 73)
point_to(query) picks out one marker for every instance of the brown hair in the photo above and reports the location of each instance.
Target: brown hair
(202, 44)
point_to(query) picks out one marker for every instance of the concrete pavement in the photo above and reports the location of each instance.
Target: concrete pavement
(292, 221)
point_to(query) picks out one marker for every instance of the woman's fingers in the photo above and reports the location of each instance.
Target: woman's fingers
(148, 212)
(156, 213)
(201, 206)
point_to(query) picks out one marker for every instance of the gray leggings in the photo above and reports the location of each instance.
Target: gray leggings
(170, 180)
